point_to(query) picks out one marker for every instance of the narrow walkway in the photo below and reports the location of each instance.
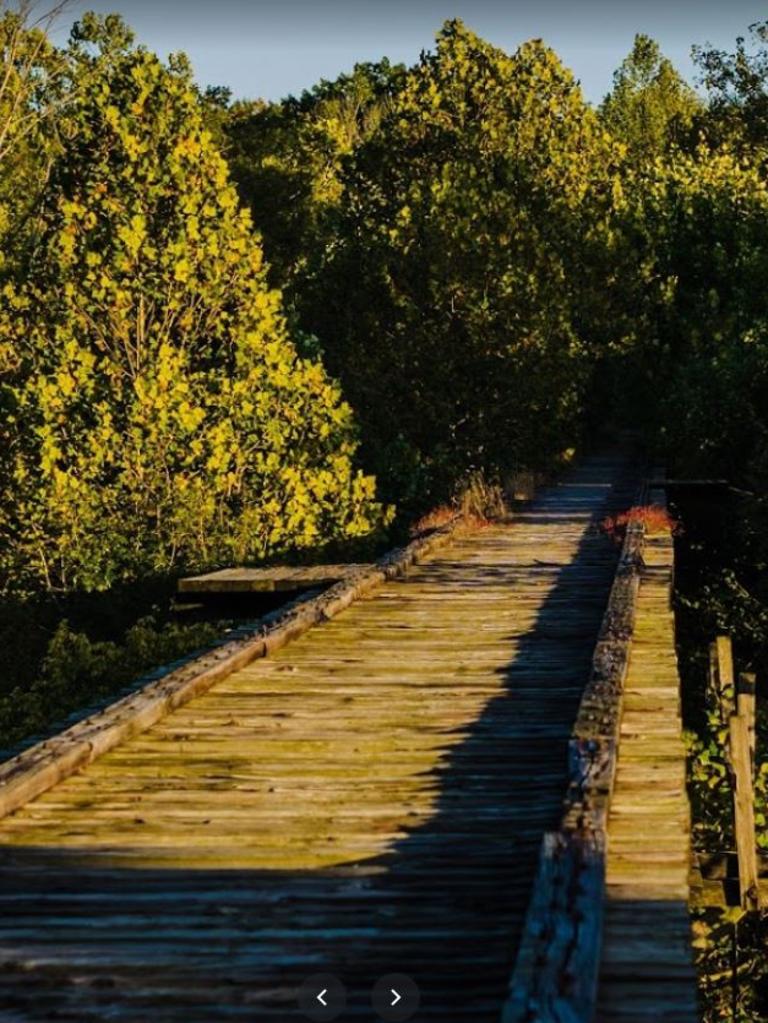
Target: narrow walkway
(370, 800)
(647, 968)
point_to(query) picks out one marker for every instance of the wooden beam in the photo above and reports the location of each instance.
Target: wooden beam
(713, 681)
(744, 810)
(725, 677)
(558, 963)
(655, 483)
(745, 707)
(595, 737)
(664, 482)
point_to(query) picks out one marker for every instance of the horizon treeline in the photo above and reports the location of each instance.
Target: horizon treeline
(230, 331)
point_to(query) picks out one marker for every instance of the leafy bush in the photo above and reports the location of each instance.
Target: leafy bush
(654, 517)
(77, 669)
(155, 412)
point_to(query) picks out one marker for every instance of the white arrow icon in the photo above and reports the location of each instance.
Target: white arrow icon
(396, 998)
(321, 999)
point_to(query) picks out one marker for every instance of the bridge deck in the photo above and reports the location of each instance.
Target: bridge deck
(647, 969)
(369, 800)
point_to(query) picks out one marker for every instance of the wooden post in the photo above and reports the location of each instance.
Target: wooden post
(744, 811)
(745, 707)
(713, 679)
(725, 679)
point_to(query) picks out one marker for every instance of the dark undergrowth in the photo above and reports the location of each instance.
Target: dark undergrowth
(722, 589)
(58, 655)
(61, 655)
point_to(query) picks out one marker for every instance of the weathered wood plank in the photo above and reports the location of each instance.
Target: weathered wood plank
(268, 580)
(647, 968)
(557, 963)
(744, 809)
(349, 803)
(724, 677)
(746, 707)
(40, 768)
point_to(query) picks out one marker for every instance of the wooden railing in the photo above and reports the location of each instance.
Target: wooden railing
(558, 963)
(734, 698)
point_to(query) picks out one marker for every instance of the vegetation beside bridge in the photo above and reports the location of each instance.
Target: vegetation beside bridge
(237, 331)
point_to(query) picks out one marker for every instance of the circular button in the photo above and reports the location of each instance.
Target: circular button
(395, 998)
(322, 997)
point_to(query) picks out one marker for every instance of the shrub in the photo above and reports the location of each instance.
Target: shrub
(155, 411)
(77, 670)
(654, 517)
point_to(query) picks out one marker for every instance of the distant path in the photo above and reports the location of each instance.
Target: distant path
(369, 800)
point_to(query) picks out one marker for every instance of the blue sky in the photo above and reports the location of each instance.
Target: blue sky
(270, 48)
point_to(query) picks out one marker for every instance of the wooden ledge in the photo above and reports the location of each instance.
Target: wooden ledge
(278, 578)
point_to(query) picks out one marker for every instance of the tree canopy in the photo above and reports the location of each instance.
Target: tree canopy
(448, 302)
(287, 160)
(155, 409)
(737, 84)
(650, 104)
(488, 266)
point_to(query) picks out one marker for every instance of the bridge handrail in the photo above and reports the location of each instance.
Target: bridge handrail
(558, 962)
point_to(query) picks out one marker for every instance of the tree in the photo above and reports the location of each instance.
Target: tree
(650, 104)
(700, 366)
(34, 90)
(156, 414)
(737, 84)
(287, 159)
(458, 297)
(29, 64)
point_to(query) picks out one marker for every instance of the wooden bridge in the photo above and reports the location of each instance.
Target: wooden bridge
(371, 798)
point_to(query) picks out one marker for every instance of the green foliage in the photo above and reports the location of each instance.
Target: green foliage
(730, 957)
(457, 298)
(721, 590)
(696, 224)
(77, 670)
(287, 158)
(650, 104)
(729, 944)
(737, 84)
(34, 89)
(155, 411)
